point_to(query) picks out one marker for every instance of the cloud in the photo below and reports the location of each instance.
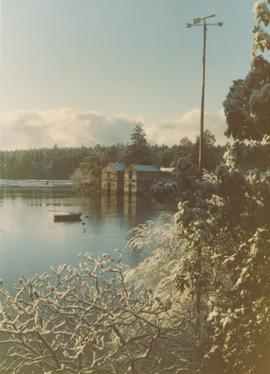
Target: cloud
(65, 127)
(188, 125)
(68, 127)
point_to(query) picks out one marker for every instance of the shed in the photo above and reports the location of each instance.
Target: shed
(139, 178)
(112, 178)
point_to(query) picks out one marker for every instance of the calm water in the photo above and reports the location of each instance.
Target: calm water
(31, 242)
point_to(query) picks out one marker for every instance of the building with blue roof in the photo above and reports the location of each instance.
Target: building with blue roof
(119, 178)
(139, 178)
(145, 168)
(118, 166)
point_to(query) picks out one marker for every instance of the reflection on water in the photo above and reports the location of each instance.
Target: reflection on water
(30, 240)
(130, 205)
(109, 205)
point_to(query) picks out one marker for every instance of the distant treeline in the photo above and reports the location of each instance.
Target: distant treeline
(45, 163)
(60, 163)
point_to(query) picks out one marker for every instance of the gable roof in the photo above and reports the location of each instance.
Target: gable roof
(118, 166)
(145, 168)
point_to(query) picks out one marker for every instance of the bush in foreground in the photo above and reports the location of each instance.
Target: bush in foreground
(90, 320)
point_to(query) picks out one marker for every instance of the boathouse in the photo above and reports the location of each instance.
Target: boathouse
(112, 178)
(139, 178)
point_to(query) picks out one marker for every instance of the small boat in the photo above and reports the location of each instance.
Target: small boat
(67, 216)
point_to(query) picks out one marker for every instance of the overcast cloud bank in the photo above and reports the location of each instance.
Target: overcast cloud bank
(68, 127)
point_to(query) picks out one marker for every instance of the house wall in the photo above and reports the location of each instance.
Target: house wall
(108, 179)
(111, 180)
(138, 182)
(145, 180)
(130, 180)
(120, 182)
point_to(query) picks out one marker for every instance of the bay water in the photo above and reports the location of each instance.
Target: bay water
(31, 242)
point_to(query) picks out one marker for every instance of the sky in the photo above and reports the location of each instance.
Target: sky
(82, 72)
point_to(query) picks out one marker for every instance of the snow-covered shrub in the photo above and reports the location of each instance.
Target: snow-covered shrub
(90, 320)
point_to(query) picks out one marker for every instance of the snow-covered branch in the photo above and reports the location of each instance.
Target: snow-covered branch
(90, 320)
(261, 38)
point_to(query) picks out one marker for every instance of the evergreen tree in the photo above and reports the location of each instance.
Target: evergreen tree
(211, 154)
(240, 338)
(138, 151)
(247, 106)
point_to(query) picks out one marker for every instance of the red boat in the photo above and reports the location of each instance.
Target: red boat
(67, 216)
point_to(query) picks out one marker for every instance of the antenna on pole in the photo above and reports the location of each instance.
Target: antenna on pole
(202, 22)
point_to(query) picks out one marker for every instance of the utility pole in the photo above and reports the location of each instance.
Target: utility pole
(202, 22)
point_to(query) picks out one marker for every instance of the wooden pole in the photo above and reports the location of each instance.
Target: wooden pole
(201, 165)
(201, 144)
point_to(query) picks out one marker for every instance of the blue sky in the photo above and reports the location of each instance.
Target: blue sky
(128, 58)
